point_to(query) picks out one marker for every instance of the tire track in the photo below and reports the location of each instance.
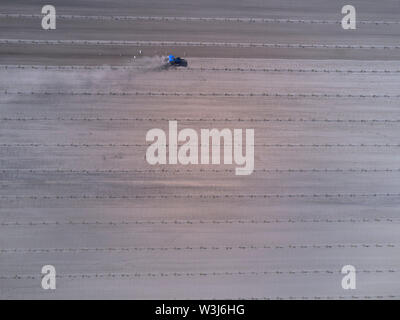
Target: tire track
(200, 94)
(201, 196)
(194, 19)
(195, 222)
(193, 171)
(188, 69)
(190, 248)
(114, 145)
(88, 119)
(189, 274)
(195, 44)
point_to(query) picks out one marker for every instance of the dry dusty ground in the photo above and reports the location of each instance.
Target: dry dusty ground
(77, 193)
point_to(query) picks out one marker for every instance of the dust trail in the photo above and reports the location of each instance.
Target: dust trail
(79, 79)
(155, 63)
(88, 80)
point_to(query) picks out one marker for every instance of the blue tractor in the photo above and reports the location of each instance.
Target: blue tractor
(178, 62)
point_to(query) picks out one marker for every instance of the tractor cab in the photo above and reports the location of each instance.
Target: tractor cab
(177, 61)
